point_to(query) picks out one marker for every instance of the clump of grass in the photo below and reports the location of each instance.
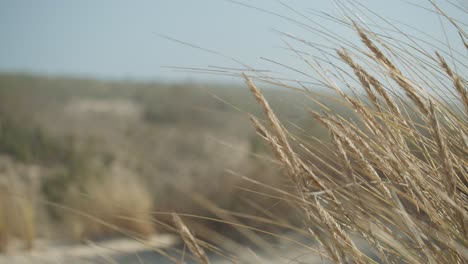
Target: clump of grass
(17, 219)
(110, 206)
(402, 185)
(397, 177)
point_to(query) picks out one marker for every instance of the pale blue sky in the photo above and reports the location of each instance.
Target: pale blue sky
(121, 39)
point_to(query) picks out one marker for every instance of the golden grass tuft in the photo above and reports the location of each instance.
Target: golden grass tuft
(403, 182)
(110, 206)
(17, 219)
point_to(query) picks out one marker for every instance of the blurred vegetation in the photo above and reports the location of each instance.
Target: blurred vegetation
(172, 139)
(28, 144)
(31, 144)
(17, 218)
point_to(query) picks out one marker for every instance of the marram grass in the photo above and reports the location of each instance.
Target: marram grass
(398, 176)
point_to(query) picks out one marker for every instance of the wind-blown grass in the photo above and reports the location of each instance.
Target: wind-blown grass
(394, 174)
(397, 177)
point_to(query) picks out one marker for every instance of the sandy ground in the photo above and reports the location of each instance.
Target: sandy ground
(128, 251)
(110, 251)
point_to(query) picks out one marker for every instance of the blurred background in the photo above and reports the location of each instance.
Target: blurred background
(123, 111)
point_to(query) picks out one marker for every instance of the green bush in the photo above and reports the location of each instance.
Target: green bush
(30, 143)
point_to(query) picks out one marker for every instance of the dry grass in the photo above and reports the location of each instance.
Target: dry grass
(190, 240)
(109, 206)
(397, 177)
(403, 183)
(17, 219)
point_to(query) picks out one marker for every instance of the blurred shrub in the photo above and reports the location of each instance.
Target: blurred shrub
(74, 170)
(28, 143)
(110, 205)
